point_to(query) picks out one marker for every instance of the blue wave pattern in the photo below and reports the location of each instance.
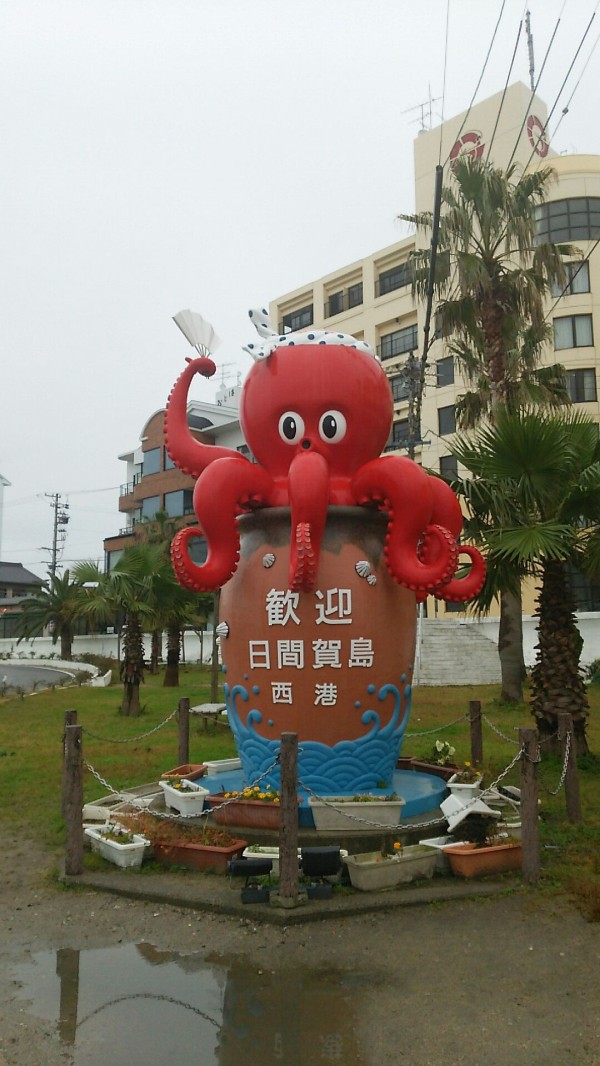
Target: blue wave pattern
(349, 766)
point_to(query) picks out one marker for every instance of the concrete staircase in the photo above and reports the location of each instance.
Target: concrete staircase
(456, 653)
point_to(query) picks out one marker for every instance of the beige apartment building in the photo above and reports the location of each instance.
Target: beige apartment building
(372, 298)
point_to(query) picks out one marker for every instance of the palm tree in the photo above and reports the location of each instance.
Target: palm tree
(128, 590)
(492, 277)
(535, 493)
(57, 604)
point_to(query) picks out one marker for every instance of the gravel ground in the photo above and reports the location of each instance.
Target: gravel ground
(502, 981)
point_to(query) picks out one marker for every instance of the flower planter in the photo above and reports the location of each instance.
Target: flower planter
(222, 766)
(264, 851)
(469, 861)
(464, 789)
(188, 771)
(442, 862)
(252, 814)
(124, 855)
(188, 800)
(371, 872)
(199, 856)
(340, 814)
(424, 767)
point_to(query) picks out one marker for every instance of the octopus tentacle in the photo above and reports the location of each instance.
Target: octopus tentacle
(402, 488)
(238, 486)
(189, 454)
(464, 588)
(309, 495)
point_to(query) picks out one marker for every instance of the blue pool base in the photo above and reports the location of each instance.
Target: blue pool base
(421, 792)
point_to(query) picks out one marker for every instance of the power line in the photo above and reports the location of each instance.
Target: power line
(444, 78)
(504, 90)
(464, 123)
(533, 92)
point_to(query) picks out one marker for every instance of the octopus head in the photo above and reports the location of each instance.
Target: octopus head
(332, 400)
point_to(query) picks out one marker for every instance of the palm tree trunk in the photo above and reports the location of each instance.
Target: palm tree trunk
(66, 644)
(557, 684)
(155, 650)
(510, 647)
(171, 679)
(132, 667)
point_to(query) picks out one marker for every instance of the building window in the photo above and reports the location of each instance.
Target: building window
(445, 372)
(586, 594)
(400, 387)
(400, 435)
(573, 331)
(178, 503)
(577, 219)
(577, 280)
(198, 550)
(581, 385)
(395, 278)
(151, 463)
(446, 420)
(150, 506)
(355, 294)
(297, 319)
(449, 467)
(335, 304)
(168, 463)
(398, 342)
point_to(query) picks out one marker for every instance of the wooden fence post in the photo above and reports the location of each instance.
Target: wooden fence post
(70, 719)
(572, 797)
(183, 721)
(476, 734)
(530, 828)
(73, 792)
(288, 830)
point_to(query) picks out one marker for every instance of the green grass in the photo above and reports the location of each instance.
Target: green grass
(31, 760)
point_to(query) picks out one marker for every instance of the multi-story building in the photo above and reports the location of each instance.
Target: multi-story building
(153, 482)
(372, 298)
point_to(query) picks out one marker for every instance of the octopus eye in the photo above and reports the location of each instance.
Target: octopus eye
(291, 427)
(332, 426)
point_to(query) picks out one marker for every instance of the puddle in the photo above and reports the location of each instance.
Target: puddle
(134, 1004)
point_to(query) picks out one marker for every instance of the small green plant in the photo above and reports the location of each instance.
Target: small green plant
(255, 792)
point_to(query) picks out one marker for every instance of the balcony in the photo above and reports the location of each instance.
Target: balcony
(127, 489)
(344, 300)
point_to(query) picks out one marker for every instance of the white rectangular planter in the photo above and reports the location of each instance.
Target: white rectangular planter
(464, 789)
(188, 800)
(124, 855)
(370, 872)
(222, 766)
(342, 815)
(442, 863)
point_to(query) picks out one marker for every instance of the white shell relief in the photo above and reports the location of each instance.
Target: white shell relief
(371, 580)
(363, 568)
(223, 629)
(268, 560)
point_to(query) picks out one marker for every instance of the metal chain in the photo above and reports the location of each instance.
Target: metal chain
(494, 728)
(129, 740)
(555, 791)
(428, 732)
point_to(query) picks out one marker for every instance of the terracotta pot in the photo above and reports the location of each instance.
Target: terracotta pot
(255, 814)
(445, 772)
(199, 856)
(191, 771)
(469, 861)
(333, 665)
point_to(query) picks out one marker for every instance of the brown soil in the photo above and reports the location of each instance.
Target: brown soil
(506, 981)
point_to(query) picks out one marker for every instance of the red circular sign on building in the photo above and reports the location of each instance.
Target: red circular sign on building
(537, 136)
(469, 144)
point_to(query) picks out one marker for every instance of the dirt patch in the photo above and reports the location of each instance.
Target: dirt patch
(514, 979)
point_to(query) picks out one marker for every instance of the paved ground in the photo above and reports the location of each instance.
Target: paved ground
(503, 980)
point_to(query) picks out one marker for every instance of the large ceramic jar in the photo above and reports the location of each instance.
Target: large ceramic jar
(333, 665)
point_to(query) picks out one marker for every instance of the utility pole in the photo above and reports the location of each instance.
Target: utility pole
(530, 50)
(59, 532)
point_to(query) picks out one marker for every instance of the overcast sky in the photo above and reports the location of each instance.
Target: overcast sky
(211, 154)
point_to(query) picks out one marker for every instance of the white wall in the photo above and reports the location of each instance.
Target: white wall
(102, 644)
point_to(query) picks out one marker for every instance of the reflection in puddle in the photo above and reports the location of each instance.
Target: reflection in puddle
(134, 1004)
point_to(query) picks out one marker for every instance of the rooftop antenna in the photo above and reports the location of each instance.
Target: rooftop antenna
(426, 109)
(530, 49)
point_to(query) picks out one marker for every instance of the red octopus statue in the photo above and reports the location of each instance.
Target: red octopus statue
(316, 411)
